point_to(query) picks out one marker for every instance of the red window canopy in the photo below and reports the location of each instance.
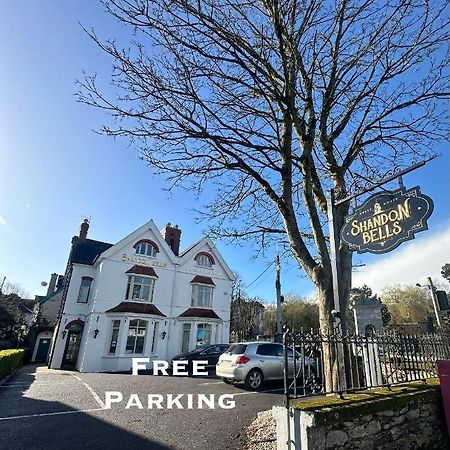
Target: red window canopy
(138, 308)
(142, 270)
(203, 280)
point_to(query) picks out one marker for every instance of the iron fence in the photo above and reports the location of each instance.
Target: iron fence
(326, 364)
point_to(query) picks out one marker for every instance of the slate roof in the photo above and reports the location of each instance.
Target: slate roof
(199, 312)
(203, 280)
(138, 308)
(86, 251)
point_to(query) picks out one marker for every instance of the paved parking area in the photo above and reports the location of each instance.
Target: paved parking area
(49, 409)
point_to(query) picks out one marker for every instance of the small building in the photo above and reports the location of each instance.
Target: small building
(45, 317)
(139, 297)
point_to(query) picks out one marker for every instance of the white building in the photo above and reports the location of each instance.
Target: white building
(140, 297)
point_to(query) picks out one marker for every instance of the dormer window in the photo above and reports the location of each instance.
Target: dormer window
(146, 248)
(202, 292)
(141, 284)
(204, 259)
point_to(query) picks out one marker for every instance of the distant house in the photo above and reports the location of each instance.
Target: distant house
(140, 297)
(45, 315)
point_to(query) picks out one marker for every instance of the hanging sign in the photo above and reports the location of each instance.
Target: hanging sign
(387, 219)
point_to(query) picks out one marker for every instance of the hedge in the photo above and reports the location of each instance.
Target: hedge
(10, 360)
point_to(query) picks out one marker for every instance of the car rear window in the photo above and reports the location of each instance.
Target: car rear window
(236, 349)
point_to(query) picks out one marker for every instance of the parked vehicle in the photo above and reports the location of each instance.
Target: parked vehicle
(256, 362)
(210, 353)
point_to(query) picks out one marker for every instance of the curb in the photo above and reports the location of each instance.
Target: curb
(4, 380)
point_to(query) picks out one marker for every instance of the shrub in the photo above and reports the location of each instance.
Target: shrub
(10, 360)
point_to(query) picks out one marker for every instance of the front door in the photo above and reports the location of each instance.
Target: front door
(42, 351)
(71, 351)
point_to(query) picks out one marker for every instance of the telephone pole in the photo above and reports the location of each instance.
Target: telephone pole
(278, 291)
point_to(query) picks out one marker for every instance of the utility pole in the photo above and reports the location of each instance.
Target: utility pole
(278, 291)
(435, 301)
(239, 333)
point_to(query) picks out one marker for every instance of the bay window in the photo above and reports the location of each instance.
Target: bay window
(202, 295)
(140, 288)
(136, 337)
(203, 334)
(114, 336)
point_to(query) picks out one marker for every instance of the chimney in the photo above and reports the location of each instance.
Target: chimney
(52, 284)
(84, 227)
(172, 236)
(60, 282)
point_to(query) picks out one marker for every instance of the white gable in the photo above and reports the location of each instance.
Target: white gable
(206, 245)
(146, 231)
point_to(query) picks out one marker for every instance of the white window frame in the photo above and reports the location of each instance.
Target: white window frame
(133, 281)
(201, 288)
(115, 326)
(146, 249)
(138, 328)
(204, 261)
(83, 293)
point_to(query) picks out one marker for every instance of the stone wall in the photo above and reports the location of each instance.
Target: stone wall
(415, 426)
(409, 417)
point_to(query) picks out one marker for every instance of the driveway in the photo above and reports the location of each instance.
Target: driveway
(54, 409)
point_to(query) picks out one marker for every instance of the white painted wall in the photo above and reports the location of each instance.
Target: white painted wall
(172, 296)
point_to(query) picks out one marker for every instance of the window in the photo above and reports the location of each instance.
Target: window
(136, 336)
(204, 260)
(203, 334)
(155, 336)
(140, 288)
(270, 350)
(186, 337)
(85, 289)
(146, 249)
(114, 336)
(202, 295)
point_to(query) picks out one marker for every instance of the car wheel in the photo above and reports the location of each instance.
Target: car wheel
(254, 379)
(227, 380)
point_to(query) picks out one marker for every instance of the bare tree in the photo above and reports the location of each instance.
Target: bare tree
(271, 103)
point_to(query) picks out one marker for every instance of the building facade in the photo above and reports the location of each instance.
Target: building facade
(139, 297)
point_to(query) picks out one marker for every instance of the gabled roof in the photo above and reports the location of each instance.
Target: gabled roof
(135, 235)
(86, 251)
(138, 308)
(196, 248)
(200, 312)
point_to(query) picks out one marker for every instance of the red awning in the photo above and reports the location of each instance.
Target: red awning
(138, 308)
(200, 312)
(142, 270)
(203, 280)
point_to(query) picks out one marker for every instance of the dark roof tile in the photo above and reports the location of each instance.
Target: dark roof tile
(142, 270)
(199, 312)
(203, 280)
(86, 251)
(138, 308)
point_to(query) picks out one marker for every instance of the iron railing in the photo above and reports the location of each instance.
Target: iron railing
(327, 364)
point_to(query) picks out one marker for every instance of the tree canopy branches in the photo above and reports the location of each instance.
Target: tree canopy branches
(271, 103)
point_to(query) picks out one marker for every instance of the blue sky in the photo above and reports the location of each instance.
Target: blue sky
(54, 170)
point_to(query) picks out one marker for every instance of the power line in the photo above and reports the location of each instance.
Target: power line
(261, 274)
